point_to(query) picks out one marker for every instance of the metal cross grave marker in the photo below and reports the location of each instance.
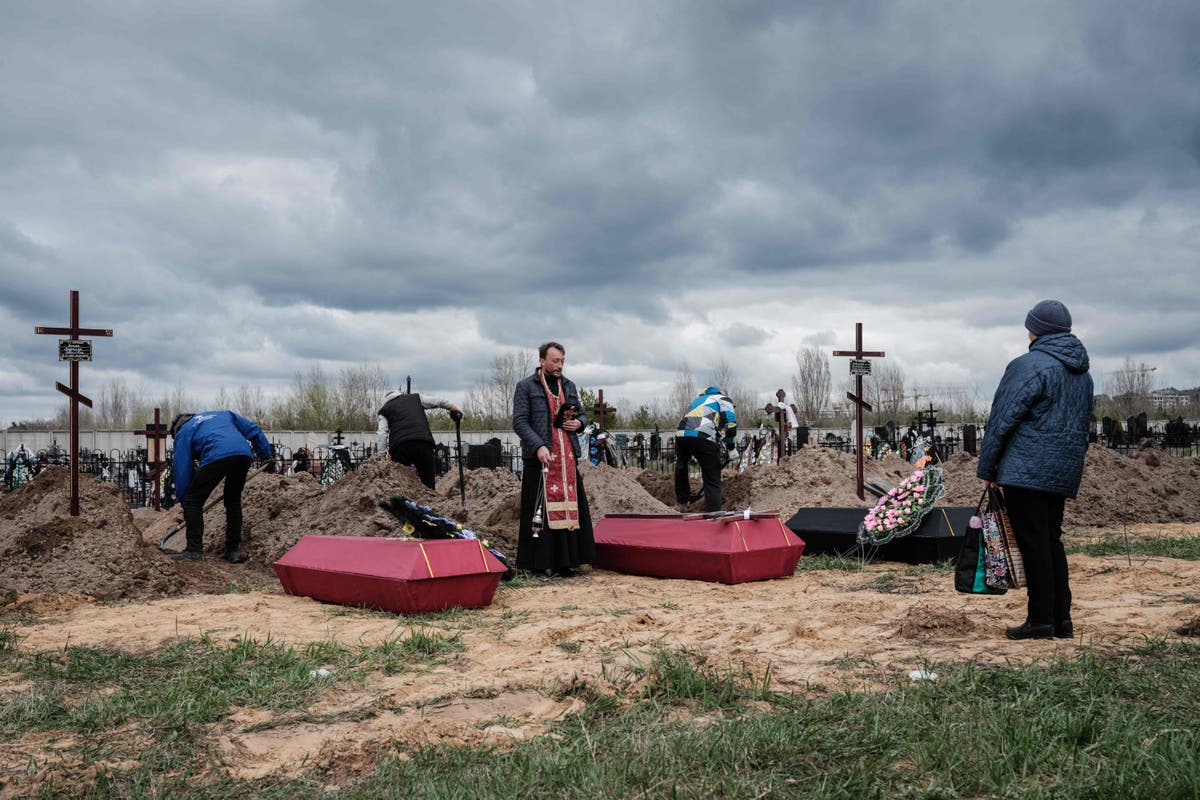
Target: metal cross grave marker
(72, 391)
(858, 355)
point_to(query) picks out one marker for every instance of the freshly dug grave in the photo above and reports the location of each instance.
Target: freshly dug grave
(1145, 486)
(812, 478)
(100, 553)
(608, 490)
(492, 507)
(278, 509)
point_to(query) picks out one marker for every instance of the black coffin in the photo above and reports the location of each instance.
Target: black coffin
(835, 530)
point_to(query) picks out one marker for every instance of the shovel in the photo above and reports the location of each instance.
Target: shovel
(179, 527)
(462, 487)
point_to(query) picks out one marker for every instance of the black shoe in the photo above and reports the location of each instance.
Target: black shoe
(565, 572)
(1028, 631)
(234, 556)
(1064, 630)
(187, 555)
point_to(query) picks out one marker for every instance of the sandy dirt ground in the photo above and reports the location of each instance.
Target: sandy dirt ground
(815, 631)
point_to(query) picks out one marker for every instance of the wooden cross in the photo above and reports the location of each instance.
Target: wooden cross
(858, 355)
(156, 440)
(601, 408)
(72, 391)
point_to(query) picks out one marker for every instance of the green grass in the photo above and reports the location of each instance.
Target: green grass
(165, 703)
(9, 640)
(1088, 726)
(1184, 547)
(828, 561)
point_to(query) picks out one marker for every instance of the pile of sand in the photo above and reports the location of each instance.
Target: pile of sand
(494, 500)
(493, 504)
(1145, 486)
(99, 553)
(278, 509)
(617, 491)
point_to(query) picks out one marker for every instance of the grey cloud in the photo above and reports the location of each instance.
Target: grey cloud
(740, 334)
(559, 170)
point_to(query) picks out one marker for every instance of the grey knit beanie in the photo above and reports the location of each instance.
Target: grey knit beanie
(1048, 316)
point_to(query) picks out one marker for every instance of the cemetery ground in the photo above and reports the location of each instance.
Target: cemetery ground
(206, 681)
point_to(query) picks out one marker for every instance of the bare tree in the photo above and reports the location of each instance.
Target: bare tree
(1129, 387)
(888, 392)
(811, 383)
(359, 395)
(744, 399)
(250, 402)
(113, 409)
(489, 401)
(683, 390)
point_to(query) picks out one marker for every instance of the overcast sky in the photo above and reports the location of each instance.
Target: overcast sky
(242, 190)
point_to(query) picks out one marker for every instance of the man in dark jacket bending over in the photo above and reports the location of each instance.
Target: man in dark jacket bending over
(1034, 445)
(217, 439)
(404, 431)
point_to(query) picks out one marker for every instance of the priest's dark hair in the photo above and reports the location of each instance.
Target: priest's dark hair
(545, 348)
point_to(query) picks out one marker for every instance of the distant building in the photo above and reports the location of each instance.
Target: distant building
(1161, 399)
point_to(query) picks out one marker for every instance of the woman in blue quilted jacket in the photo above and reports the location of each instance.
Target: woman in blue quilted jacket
(1036, 439)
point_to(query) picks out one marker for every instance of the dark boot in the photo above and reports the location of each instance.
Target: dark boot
(1027, 631)
(1064, 630)
(234, 556)
(187, 555)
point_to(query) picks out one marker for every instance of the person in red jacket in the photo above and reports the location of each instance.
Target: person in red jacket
(218, 441)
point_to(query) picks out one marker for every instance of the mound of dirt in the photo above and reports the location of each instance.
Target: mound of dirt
(922, 621)
(278, 509)
(1145, 486)
(99, 553)
(492, 508)
(617, 491)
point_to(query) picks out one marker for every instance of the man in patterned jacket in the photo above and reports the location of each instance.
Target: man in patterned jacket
(710, 418)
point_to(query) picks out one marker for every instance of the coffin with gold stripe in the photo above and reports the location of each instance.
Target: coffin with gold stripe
(732, 549)
(401, 576)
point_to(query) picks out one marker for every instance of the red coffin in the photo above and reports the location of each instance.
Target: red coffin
(405, 577)
(722, 550)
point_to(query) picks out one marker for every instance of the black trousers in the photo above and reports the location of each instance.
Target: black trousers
(415, 453)
(1037, 522)
(708, 454)
(233, 471)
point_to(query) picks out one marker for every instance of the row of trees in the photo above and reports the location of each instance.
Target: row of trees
(349, 399)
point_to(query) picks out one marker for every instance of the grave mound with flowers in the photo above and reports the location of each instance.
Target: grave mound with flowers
(902, 510)
(904, 525)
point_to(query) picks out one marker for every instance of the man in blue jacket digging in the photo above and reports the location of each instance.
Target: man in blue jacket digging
(1034, 446)
(218, 440)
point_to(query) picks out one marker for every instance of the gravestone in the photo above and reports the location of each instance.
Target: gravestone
(969, 439)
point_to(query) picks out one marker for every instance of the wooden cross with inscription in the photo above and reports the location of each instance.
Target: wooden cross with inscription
(601, 408)
(156, 449)
(74, 350)
(859, 366)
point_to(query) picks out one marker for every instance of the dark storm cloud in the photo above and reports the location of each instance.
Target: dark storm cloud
(581, 170)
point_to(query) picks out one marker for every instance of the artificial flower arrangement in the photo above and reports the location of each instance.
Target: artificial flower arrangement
(901, 510)
(422, 522)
